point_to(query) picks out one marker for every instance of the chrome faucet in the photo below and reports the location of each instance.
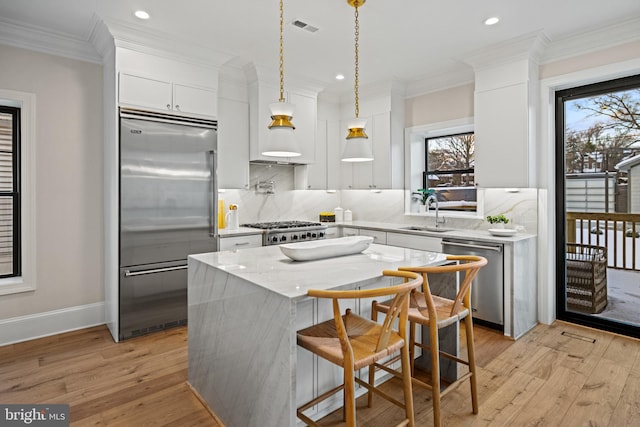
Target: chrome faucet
(434, 199)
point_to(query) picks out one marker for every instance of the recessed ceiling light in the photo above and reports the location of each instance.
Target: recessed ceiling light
(339, 76)
(141, 14)
(491, 21)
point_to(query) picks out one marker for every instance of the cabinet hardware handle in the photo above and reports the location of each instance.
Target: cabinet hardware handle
(242, 243)
(128, 273)
(177, 107)
(168, 106)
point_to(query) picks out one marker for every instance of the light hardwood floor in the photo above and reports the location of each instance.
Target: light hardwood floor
(559, 375)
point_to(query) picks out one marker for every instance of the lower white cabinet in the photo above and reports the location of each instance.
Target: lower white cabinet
(379, 237)
(349, 231)
(412, 241)
(240, 242)
(331, 232)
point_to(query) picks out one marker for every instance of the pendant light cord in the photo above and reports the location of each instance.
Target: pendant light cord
(357, 39)
(282, 52)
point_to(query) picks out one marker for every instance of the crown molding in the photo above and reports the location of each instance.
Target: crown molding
(269, 75)
(594, 40)
(528, 46)
(440, 82)
(19, 34)
(158, 44)
(101, 38)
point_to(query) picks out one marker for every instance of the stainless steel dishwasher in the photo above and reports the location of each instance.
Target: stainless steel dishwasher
(487, 290)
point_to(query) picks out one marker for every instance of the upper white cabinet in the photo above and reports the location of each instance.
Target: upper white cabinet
(505, 105)
(324, 173)
(165, 96)
(377, 174)
(385, 128)
(233, 144)
(304, 120)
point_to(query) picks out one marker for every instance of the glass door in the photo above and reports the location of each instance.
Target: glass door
(598, 205)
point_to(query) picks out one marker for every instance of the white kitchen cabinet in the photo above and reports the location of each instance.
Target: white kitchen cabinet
(412, 241)
(233, 144)
(349, 231)
(331, 232)
(193, 100)
(378, 173)
(324, 173)
(304, 120)
(229, 243)
(148, 93)
(379, 237)
(506, 103)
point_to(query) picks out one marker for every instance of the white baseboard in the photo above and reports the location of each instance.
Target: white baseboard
(25, 328)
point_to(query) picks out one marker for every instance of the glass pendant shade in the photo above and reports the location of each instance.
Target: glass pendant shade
(281, 141)
(358, 147)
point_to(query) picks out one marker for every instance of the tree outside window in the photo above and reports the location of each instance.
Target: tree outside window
(450, 170)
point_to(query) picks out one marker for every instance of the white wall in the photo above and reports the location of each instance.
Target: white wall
(69, 195)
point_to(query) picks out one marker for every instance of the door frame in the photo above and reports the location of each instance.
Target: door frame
(560, 96)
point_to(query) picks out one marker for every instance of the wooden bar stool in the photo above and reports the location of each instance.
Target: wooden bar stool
(354, 342)
(436, 313)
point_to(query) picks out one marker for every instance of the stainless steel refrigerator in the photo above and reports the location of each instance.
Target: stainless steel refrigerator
(168, 203)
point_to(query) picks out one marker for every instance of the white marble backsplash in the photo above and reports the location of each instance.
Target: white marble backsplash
(286, 203)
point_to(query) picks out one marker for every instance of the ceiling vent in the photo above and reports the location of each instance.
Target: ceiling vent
(303, 25)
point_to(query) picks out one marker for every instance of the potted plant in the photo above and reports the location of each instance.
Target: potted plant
(497, 220)
(422, 196)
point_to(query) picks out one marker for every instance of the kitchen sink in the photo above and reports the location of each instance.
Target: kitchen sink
(427, 228)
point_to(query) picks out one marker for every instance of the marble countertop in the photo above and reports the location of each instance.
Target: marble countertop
(269, 268)
(478, 235)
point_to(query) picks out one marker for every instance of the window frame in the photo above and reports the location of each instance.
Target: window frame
(27, 280)
(426, 171)
(14, 193)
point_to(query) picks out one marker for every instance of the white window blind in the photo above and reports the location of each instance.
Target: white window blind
(6, 202)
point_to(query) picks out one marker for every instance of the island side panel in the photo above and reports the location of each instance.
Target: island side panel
(525, 290)
(240, 348)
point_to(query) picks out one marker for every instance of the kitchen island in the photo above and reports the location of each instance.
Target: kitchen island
(244, 310)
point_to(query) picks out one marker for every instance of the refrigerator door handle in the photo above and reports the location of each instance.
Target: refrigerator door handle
(129, 273)
(213, 218)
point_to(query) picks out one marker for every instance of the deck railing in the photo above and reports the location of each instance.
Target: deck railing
(618, 232)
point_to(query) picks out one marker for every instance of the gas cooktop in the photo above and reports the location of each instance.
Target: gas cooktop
(278, 232)
(283, 225)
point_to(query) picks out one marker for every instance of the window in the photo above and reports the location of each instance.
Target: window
(17, 192)
(10, 230)
(450, 170)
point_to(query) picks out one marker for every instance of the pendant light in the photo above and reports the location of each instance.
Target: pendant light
(280, 142)
(358, 147)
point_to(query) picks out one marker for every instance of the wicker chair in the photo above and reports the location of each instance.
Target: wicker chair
(354, 342)
(586, 278)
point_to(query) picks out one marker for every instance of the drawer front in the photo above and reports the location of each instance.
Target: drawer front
(348, 231)
(425, 243)
(240, 242)
(379, 237)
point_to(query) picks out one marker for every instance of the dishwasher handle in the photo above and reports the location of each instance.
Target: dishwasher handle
(129, 273)
(468, 245)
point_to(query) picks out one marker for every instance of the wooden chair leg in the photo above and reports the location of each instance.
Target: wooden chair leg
(406, 379)
(412, 346)
(349, 396)
(468, 326)
(435, 373)
(372, 369)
